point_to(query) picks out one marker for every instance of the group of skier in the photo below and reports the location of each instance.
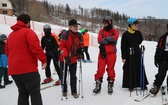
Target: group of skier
(68, 48)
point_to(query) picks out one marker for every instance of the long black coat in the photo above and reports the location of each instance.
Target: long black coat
(131, 73)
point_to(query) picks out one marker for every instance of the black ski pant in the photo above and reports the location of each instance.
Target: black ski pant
(4, 73)
(86, 53)
(28, 85)
(55, 62)
(73, 79)
(160, 76)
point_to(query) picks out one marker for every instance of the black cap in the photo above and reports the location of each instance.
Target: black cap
(73, 22)
(25, 18)
(3, 37)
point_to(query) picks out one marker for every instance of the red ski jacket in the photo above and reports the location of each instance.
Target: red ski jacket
(23, 50)
(69, 43)
(104, 37)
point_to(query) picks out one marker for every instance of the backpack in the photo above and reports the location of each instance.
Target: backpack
(65, 35)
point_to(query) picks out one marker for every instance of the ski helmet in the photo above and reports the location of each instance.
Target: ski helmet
(132, 21)
(108, 19)
(3, 37)
(46, 26)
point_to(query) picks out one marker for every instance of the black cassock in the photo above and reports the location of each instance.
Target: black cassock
(131, 70)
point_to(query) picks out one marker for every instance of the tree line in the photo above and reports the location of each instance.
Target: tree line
(60, 14)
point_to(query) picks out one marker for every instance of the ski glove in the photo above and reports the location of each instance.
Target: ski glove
(79, 51)
(68, 60)
(156, 64)
(102, 51)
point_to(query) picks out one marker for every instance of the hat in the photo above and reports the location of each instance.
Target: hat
(132, 21)
(46, 26)
(3, 37)
(25, 18)
(73, 22)
(83, 30)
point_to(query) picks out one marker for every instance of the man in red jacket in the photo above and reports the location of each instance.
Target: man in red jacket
(71, 45)
(23, 51)
(107, 38)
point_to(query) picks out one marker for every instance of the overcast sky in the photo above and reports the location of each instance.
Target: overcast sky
(133, 8)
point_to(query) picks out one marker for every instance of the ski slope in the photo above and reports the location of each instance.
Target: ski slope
(120, 96)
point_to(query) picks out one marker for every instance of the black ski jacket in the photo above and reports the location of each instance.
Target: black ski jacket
(160, 54)
(49, 44)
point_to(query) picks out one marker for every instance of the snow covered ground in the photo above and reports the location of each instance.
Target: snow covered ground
(120, 96)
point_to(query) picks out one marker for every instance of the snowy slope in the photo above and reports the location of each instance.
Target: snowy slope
(52, 96)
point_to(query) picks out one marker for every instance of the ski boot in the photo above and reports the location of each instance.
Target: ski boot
(2, 86)
(8, 82)
(98, 87)
(58, 82)
(47, 80)
(64, 94)
(110, 87)
(154, 90)
(75, 95)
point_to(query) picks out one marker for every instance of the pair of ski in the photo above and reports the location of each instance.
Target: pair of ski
(164, 96)
(49, 86)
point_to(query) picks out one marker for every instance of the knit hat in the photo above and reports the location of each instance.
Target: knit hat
(3, 37)
(73, 22)
(25, 18)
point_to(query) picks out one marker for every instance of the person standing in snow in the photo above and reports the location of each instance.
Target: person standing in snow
(86, 39)
(71, 46)
(3, 62)
(59, 35)
(132, 38)
(50, 44)
(23, 50)
(161, 61)
(107, 38)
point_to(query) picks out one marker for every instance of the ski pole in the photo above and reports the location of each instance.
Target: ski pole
(130, 69)
(133, 67)
(81, 78)
(68, 77)
(79, 81)
(143, 69)
(142, 72)
(63, 78)
(167, 84)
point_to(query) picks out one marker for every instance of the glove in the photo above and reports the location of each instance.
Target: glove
(102, 51)
(108, 39)
(68, 60)
(156, 64)
(79, 51)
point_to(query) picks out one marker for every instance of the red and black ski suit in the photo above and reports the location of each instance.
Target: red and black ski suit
(69, 44)
(108, 39)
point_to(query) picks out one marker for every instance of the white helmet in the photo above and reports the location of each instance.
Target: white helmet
(46, 26)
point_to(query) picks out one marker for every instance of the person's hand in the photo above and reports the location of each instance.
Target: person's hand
(123, 60)
(68, 60)
(102, 51)
(44, 65)
(156, 64)
(79, 51)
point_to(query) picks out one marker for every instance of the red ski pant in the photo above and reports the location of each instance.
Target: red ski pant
(109, 61)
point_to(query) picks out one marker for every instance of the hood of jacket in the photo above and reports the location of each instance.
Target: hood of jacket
(19, 25)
